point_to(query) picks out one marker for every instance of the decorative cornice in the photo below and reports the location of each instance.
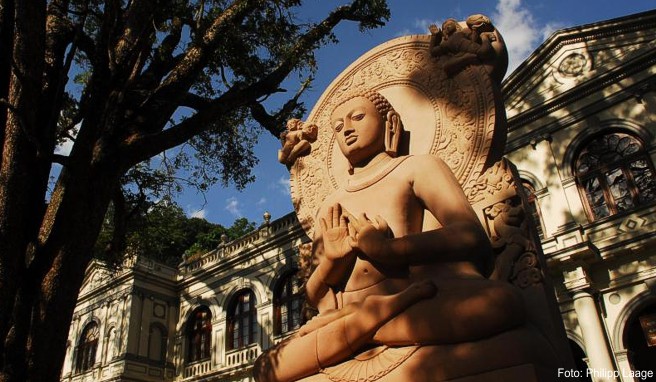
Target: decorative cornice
(574, 35)
(584, 90)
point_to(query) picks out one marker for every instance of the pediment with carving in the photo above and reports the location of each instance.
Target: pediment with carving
(95, 278)
(572, 58)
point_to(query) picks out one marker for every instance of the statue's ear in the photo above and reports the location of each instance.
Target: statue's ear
(393, 133)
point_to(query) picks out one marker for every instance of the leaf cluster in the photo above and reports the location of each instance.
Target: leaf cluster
(163, 232)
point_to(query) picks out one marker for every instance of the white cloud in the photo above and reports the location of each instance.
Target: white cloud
(403, 32)
(64, 148)
(261, 202)
(201, 214)
(233, 206)
(551, 27)
(520, 30)
(284, 185)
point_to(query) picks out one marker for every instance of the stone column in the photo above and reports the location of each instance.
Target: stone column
(592, 331)
(623, 365)
(134, 323)
(599, 361)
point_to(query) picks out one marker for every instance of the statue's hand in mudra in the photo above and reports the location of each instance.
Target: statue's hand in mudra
(372, 237)
(337, 240)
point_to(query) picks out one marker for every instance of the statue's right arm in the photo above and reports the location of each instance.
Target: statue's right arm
(327, 276)
(332, 249)
(436, 39)
(319, 288)
(319, 294)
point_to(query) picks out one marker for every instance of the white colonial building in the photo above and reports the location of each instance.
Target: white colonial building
(582, 132)
(207, 320)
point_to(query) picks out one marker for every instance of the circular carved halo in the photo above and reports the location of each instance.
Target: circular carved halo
(453, 118)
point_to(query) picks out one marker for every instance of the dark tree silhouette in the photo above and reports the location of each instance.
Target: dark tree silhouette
(136, 64)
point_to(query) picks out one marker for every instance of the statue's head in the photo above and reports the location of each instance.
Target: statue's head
(479, 23)
(365, 124)
(450, 26)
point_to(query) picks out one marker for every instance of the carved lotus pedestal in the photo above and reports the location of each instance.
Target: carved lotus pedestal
(520, 355)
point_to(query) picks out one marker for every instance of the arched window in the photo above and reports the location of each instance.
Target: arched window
(199, 334)
(288, 302)
(86, 349)
(615, 174)
(242, 317)
(640, 338)
(157, 342)
(534, 207)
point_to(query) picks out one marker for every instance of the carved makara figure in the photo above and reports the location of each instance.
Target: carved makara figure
(296, 141)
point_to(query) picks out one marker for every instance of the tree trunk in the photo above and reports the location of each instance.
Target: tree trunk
(18, 215)
(47, 294)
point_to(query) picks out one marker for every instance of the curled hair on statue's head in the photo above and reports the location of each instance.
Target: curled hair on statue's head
(392, 119)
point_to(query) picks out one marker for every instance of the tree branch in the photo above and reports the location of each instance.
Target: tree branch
(275, 124)
(163, 60)
(195, 101)
(311, 39)
(142, 146)
(165, 98)
(118, 244)
(61, 159)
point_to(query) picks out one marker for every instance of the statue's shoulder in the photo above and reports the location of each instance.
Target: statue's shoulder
(422, 161)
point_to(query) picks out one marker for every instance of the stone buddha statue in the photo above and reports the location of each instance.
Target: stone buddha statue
(380, 272)
(402, 282)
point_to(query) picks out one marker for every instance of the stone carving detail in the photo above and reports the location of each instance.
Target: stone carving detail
(369, 368)
(573, 65)
(508, 227)
(475, 43)
(296, 141)
(497, 180)
(516, 259)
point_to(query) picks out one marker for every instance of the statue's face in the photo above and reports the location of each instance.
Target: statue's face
(449, 27)
(359, 129)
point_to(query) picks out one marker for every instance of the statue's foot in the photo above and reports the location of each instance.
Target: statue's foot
(422, 289)
(416, 292)
(378, 309)
(325, 318)
(390, 304)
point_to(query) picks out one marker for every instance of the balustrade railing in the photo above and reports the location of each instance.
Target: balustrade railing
(243, 356)
(197, 368)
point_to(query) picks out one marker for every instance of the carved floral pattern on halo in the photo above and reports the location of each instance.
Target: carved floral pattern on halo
(451, 117)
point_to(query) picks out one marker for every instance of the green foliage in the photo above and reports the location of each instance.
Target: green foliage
(206, 241)
(164, 233)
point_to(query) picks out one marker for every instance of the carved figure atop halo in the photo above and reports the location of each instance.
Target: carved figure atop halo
(296, 141)
(478, 42)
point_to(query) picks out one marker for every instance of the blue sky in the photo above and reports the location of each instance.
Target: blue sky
(525, 24)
